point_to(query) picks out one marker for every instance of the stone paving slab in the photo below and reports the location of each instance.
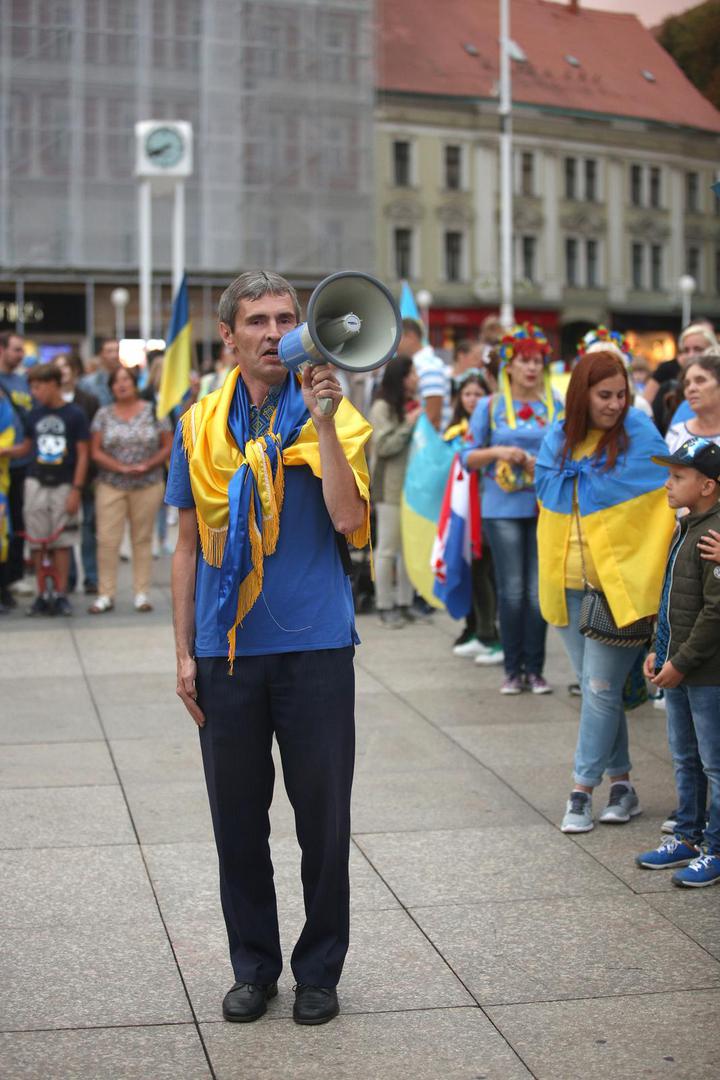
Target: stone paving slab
(169, 813)
(694, 911)
(83, 975)
(39, 651)
(63, 817)
(74, 886)
(469, 865)
(452, 1044)
(48, 765)
(170, 1052)
(435, 799)
(553, 949)
(618, 1039)
(118, 648)
(55, 709)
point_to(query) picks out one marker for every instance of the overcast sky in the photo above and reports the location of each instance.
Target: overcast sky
(651, 12)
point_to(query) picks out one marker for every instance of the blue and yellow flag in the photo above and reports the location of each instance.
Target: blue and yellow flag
(626, 521)
(175, 381)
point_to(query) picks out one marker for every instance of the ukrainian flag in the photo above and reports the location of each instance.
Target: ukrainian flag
(175, 381)
(626, 521)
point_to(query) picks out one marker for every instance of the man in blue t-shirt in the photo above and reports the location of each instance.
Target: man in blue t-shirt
(291, 670)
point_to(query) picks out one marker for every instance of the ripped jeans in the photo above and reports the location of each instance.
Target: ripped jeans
(602, 744)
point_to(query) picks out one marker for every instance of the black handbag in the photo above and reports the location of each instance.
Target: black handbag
(596, 619)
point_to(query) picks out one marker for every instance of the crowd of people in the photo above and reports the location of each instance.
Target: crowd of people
(592, 508)
(579, 498)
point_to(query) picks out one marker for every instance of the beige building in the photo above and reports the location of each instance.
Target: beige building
(614, 156)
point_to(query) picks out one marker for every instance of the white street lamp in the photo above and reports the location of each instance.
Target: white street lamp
(687, 286)
(425, 299)
(120, 298)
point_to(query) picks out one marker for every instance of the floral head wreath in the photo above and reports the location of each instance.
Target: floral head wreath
(602, 336)
(523, 338)
(518, 342)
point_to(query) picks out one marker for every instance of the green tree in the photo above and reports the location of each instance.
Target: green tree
(693, 40)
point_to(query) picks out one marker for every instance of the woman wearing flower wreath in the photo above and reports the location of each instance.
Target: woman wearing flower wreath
(604, 524)
(506, 431)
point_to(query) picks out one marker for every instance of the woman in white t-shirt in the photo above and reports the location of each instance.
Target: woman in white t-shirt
(701, 384)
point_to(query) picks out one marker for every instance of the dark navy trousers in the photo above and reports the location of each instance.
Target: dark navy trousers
(307, 701)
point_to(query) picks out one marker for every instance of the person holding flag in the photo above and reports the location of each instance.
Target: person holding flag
(461, 562)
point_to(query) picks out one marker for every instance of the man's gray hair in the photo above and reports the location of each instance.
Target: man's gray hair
(253, 285)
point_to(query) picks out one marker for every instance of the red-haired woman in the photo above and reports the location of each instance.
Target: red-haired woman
(604, 521)
(506, 431)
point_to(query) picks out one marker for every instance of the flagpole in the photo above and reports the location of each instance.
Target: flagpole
(178, 238)
(507, 314)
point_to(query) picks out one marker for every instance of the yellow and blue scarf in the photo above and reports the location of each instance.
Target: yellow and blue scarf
(238, 483)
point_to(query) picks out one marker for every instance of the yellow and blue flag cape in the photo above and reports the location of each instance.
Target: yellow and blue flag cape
(7, 438)
(175, 379)
(625, 520)
(426, 476)
(238, 483)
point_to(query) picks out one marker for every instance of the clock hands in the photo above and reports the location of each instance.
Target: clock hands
(158, 150)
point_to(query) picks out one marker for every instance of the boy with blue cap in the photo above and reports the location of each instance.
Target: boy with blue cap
(685, 663)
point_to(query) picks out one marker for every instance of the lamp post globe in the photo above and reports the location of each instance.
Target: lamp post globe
(120, 298)
(687, 286)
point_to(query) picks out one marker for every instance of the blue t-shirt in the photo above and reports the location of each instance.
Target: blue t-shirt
(306, 601)
(514, 495)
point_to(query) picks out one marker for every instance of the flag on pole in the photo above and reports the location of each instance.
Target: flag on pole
(175, 379)
(408, 307)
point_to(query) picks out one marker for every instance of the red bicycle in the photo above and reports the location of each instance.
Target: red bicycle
(48, 584)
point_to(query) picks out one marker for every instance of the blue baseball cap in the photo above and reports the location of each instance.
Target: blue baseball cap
(696, 453)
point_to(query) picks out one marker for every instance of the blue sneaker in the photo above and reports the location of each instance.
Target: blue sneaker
(671, 852)
(705, 870)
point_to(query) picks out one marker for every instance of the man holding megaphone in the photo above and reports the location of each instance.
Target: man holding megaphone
(270, 478)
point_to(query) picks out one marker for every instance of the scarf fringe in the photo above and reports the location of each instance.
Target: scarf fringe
(212, 542)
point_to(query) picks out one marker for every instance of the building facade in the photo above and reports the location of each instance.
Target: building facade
(609, 209)
(280, 96)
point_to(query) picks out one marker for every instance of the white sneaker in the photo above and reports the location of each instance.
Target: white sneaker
(491, 654)
(100, 605)
(142, 602)
(470, 648)
(23, 587)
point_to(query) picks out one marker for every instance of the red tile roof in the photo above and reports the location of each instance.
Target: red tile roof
(425, 47)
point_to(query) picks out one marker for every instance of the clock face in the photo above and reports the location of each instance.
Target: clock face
(164, 147)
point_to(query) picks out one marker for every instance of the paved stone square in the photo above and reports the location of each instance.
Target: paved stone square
(485, 944)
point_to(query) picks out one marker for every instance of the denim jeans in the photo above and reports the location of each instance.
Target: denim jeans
(601, 670)
(513, 542)
(693, 722)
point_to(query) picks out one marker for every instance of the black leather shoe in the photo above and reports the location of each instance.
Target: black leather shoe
(315, 1004)
(245, 1002)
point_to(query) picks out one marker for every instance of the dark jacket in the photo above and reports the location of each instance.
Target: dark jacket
(694, 605)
